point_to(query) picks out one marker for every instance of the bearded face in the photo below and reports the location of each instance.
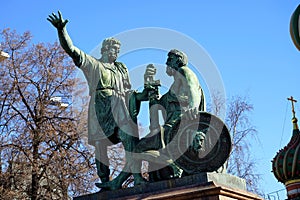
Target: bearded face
(112, 52)
(172, 64)
(198, 142)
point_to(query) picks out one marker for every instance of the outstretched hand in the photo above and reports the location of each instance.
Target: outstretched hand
(57, 21)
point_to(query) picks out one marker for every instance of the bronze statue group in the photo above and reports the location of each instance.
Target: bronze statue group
(114, 107)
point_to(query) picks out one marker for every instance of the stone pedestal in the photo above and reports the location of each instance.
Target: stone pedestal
(206, 186)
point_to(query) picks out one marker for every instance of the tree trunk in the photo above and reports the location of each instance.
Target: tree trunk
(34, 176)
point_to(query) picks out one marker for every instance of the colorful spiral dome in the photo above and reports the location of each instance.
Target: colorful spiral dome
(286, 163)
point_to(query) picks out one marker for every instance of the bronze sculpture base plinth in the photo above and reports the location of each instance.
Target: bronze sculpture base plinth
(208, 186)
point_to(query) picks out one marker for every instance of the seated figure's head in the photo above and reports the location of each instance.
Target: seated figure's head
(176, 59)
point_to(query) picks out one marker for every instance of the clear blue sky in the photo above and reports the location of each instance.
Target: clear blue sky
(248, 41)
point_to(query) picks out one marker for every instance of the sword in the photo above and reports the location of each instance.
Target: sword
(153, 86)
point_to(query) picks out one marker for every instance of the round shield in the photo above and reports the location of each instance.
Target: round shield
(200, 145)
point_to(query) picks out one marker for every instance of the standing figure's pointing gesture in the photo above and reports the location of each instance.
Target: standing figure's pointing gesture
(57, 22)
(109, 120)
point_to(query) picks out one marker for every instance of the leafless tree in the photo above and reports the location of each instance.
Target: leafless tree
(42, 153)
(241, 161)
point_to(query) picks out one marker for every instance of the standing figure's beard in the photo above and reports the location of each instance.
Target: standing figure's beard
(112, 56)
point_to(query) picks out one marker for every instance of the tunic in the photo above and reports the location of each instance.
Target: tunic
(110, 88)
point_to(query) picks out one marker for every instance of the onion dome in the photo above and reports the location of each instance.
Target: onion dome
(286, 164)
(294, 27)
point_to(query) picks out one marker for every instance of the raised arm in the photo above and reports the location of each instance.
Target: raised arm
(65, 41)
